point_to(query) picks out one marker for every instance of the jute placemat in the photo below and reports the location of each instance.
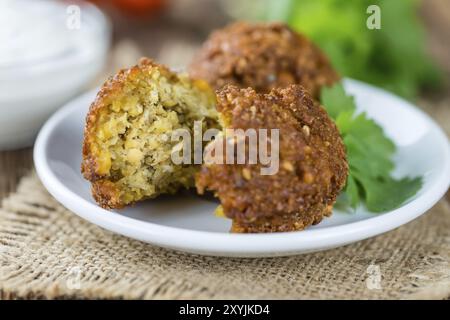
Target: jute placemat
(48, 252)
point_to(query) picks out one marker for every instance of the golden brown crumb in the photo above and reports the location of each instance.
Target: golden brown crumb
(126, 152)
(263, 57)
(311, 173)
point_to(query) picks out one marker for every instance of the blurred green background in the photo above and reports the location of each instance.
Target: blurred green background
(392, 57)
(396, 56)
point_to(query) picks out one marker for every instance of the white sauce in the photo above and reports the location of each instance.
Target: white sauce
(34, 31)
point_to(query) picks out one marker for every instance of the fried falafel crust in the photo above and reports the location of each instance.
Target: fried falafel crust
(262, 56)
(312, 168)
(118, 109)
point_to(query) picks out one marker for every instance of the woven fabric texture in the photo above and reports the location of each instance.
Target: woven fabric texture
(48, 252)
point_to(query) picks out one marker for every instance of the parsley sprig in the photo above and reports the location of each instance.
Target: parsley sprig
(369, 154)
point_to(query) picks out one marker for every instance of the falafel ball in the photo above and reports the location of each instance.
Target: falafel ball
(312, 162)
(127, 147)
(263, 57)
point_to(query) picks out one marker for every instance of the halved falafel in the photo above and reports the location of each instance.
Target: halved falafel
(127, 147)
(263, 57)
(312, 162)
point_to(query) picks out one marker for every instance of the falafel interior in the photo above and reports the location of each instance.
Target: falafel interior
(312, 162)
(127, 146)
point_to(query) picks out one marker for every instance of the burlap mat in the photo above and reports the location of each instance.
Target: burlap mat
(48, 252)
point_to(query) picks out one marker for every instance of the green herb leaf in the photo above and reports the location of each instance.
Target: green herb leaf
(393, 57)
(369, 154)
(352, 191)
(384, 194)
(337, 101)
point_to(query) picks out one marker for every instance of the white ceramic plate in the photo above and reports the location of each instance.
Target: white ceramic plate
(186, 222)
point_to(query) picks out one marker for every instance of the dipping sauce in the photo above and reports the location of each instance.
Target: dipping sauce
(36, 31)
(50, 51)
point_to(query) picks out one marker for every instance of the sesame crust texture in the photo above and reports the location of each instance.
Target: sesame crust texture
(312, 162)
(263, 57)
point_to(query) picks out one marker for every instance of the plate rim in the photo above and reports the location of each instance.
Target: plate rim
(239, 245)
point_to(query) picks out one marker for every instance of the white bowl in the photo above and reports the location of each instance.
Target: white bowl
(186, 221)
(32, 90)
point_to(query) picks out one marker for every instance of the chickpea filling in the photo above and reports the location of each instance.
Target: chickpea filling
(133, 146)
